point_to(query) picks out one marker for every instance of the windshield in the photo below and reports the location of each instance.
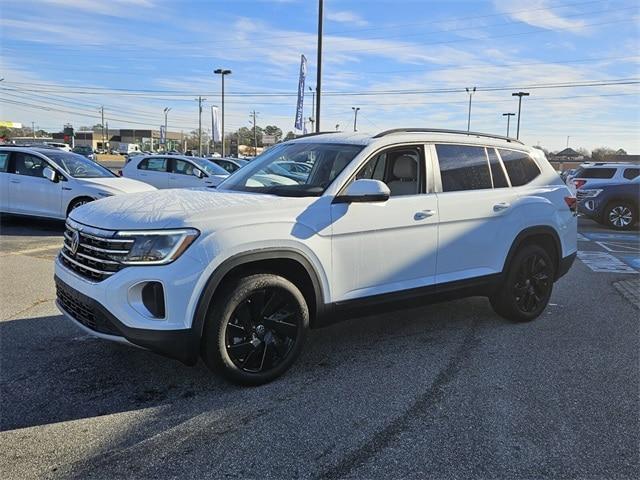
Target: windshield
(78, 166)
(293, 169)
(209, 167)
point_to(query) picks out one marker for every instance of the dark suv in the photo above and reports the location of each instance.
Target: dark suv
(612, 204)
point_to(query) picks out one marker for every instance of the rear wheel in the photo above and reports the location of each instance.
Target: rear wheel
(527, 287)
(620, 215)
(256, 329)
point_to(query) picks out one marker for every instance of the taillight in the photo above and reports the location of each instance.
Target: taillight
(572, 203)
(579, 183)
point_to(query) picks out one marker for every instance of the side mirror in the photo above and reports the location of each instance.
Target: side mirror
(365, 190)
(50, 174)
(198, 173)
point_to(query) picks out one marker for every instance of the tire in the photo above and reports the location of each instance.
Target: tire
(256, 329)
(527, 286)
(77, 203)
(620, 215)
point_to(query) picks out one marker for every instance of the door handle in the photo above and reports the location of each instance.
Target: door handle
(498, 207)
(424, 214)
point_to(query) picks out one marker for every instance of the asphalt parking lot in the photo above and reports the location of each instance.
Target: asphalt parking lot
(443, 391)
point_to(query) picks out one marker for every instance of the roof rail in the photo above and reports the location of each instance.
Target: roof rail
(313, 134)
(440, 130)
(28, 145)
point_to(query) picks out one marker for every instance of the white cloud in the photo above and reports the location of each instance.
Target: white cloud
(538, 13)
(347, 17)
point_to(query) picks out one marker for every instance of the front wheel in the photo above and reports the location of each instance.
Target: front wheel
(527, 286)
(620, 215)
(78, 202)
(256, 329)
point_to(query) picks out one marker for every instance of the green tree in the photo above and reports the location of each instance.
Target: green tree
(5, 133)
(599, 154)
(290, 135)
(273, 130)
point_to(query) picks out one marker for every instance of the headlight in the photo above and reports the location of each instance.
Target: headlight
(590, 193)
(157, 247)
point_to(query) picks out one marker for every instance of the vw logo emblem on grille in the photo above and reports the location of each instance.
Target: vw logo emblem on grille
(75, 242)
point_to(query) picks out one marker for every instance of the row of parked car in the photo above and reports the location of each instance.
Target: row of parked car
(608, 193)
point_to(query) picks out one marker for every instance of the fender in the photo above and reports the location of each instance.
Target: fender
(229, 264)
(529, 232)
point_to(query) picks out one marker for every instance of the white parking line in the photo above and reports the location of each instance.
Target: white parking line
(31, 250)
(604, 262)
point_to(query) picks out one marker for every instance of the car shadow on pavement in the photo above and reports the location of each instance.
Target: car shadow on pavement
(12, 225)
(53, 372)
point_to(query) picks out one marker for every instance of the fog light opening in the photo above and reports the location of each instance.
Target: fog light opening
(153, 299)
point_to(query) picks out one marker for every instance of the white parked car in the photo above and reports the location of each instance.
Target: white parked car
(238, 275)
(58, 145)
(174, 171)
(48, 182)
(604, 173)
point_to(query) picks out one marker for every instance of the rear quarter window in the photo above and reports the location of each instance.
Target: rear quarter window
(629, 173)
(4, 161)
(520, 167)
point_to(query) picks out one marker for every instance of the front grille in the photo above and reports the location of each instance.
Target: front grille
(98, 254)
(580, 195)
(83, 311)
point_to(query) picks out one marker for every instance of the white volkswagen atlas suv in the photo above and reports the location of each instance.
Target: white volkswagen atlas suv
(237, 275)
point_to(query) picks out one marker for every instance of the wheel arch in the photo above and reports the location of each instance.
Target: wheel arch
(542, 235)
(75, 199)
(290, 264)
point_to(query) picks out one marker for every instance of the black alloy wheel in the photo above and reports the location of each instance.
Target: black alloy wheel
(533, 283)
(527, 285)
(256, 328)
(262, 330)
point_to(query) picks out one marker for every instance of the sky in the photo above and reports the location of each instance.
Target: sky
(403, 63)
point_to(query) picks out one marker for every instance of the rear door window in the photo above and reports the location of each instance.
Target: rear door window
(629, 173)
(153, 164)
(463, 167)
(520, 167)
(497, 172)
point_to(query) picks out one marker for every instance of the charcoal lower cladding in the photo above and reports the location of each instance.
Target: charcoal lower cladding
(83, 312)
(98, 253)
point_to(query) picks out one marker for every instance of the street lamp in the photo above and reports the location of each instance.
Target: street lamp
(319, 64)
(312, 118)
(222, 72)
(470, 91)
(355, 118)
(519, 95)
(166, 111)
(508, 115)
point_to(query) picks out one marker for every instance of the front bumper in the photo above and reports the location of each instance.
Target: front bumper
(565, 265)
(90, 315)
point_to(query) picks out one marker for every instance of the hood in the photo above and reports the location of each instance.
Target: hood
(117, 185)
(203, 208)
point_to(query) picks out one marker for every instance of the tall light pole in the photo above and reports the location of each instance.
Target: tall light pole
(312, 118)
(222, 72)
(166, 111)
(508, 115)
(102, 125)
(255, 134)
(355, 118)
(519, 95)
(470, 91)
(200, 125)
(319, 65)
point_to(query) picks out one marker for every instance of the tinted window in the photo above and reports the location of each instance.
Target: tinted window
(399, 168)
(463, 168)
(182, 167)
(629, 173)
(597, 173)
(228, 166)
(79, 166)
(520, 167)
(29, 165)
(4, 160)
(497, 173)
(153, 164)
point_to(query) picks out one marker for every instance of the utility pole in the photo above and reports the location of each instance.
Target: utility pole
(33, 130)
(200, 99)
(166, 111)
(312, 118)
(102, 125)
(107, 129)
(508, 115)
(319, 65)
(519, 95)
(568, 137)
(355, 118)
(255, 134)
(470, 91)
(222, 72)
